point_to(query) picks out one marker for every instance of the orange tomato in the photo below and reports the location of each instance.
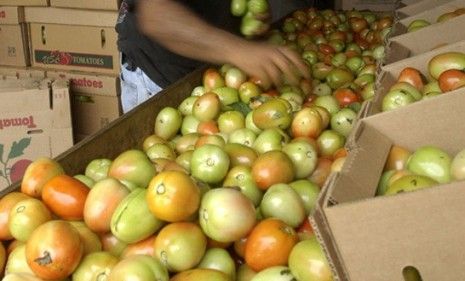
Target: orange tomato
(345, 96)
(212, 79)
(173, 196)
(412, 76)
(272, 167)
(54, 250)
(6, 204)
(37, 174)
(269, 244)
(144, 247)
(209, 127)
(451, 79)
(397, 158)
(66, 197)
(239, 247)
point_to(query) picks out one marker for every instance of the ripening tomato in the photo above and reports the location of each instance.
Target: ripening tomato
(322, 171)
(269, 244)
(144, 247)
(37, 174)
(54, 250)
(397, 158)
(95, 266)
(65, 196)
(26, 216)
(6, 204)
(451, 79)
(272, 167)
(207, 107)
(412, 76)
(90, 240)
(209, 127)
(345, 97)
(101, 203)
(173, 196)
(212, 79)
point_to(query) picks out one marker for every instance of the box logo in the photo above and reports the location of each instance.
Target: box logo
(27, 122)
(73, 59)
(2, 14)
(12, 167)
(84, 82)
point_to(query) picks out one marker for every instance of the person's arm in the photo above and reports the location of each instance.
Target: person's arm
(181, 31)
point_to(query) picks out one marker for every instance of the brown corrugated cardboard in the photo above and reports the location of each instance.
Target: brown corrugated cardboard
(370, 238)
(35, 121)
(24, 2)
(71, 16)
(373, 5)
(67, 47)
(411, 2)
(87, 4)
(389, 74)
(11, 15)
(424, 40)
(13, 45)
(21, 72)
(419, 7)
(95, 100)
(430, 15)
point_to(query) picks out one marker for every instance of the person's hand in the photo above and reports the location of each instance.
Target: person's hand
(270, 64)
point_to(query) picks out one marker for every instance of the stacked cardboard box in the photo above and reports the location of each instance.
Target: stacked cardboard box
(35, 121)
(13, 33)
(80, 45)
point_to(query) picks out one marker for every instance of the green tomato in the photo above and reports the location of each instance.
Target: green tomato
(307, 261)
(396, 99)
(140, 268)
(329, 141)
(384, 182)
(243, 136)
(270, 139)
(329, 102)
(187, 105)
(431, 162)
(85, 180)
(241, 177)
(210, 164)
(168, 123)
(343, 121)
(283, 202)
(132, 220)
(304, 157)
(227, 95)
(189, 125)
(238, 7)
(308, 192)
(98, 169)
(410, 183)
(275, 273)
(95, 266)
(219, 259)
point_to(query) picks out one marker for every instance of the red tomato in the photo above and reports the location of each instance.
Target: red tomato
(345, 96)
(65, 196)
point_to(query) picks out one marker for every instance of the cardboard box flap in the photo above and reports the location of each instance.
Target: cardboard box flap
(425, 39)
(71, 16)
(24, 2)
(87, 4)
(445, 111)
(420, 7)
(394, 237)
(11, 15)
(433, 14)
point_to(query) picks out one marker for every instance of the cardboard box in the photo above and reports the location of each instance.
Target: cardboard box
(71, 16)
(95, 100)
(14, 48)
(424, 40)
(370, 238)
(431, 16)
(87, 4)
(24, 2)
(373, 5)
(11, 15)
(128, 131)
(410, 2)
(35, 121)
(7, 72)
(389, 74)
(72, 47)
(419, 7)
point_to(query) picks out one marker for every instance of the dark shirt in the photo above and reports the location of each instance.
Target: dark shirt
(161, 65)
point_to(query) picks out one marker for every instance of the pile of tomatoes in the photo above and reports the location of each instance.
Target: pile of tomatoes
(223, 188)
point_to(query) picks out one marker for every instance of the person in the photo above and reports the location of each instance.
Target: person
(162, 40)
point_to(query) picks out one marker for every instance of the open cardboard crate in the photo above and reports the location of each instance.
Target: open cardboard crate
(431, 16)
(375, 238)
(424, 40)
(419, 7)
(126, 132)
(390, 73)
